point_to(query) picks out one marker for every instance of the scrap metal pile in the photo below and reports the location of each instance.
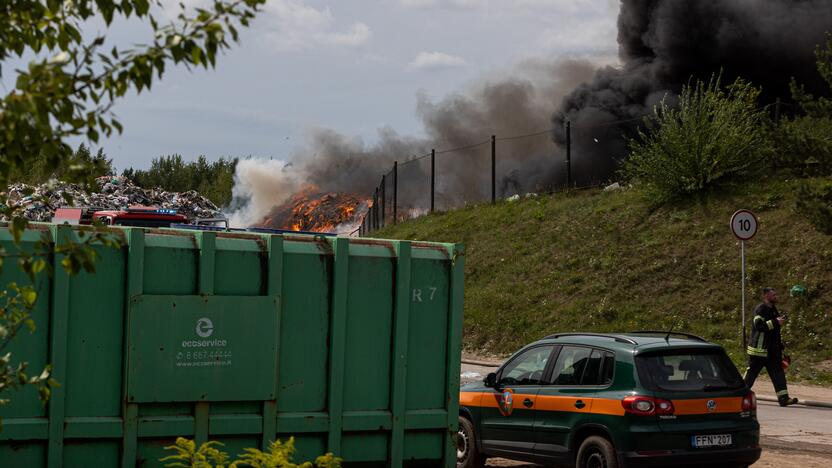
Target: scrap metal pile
(39, 202)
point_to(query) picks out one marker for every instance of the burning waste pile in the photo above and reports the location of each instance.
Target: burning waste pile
(39, 203)
(311, 210)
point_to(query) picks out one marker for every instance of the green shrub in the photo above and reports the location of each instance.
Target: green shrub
(713, 134)
(805, 142)
(279, 455)
(814, 202)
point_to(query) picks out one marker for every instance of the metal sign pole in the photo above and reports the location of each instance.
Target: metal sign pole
(742, 249)
(744, 226)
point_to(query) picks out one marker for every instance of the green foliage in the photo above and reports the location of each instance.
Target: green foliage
(15, 315)
(187, 455)
(805, 145)
(213, 180)
(713, 134)
(68, 90)
(814, 202)
(279, 455)
(805, 142)
(820, 106)
(81, 165)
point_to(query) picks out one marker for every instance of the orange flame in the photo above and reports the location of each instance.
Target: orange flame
(312, 210)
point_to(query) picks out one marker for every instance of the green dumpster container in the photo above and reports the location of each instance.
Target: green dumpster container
(349, 345)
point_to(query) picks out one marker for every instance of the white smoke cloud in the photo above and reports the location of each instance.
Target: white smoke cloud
(259, 186)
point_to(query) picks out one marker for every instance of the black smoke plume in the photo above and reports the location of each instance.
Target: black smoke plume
(663, 44)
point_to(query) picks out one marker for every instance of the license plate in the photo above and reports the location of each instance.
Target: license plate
(704, 441)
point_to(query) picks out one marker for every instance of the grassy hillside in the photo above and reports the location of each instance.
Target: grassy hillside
(605, 261)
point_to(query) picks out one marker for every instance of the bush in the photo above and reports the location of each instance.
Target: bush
(805, 144)
(814, 202)
(806, 141)
(279, 455)
(713, 134)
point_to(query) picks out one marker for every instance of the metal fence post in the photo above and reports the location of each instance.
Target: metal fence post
(383, 199)
(493, 169)
(395, 190)
(432, 178)
(568, 154)
(375, 210)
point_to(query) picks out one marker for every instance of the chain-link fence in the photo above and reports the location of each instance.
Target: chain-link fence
(493, 169)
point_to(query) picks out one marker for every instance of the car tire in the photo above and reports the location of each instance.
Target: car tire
(467, 455)
(596, 452)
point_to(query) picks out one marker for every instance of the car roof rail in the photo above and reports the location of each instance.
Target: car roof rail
(665, 333)
(620, 339)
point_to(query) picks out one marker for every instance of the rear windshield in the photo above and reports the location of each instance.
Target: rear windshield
(686, 371)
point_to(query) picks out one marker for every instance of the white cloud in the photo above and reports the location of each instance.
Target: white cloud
(435, 60)
(292, 25)
(443, 3)
(358, 34)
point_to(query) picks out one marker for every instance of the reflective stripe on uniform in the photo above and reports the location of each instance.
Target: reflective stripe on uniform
(770, 324)
(783, 393)
(752, 351)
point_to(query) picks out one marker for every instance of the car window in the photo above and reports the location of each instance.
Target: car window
(689, 371)
(527, 368)
(608, 368)
(570, 365)
(592, 373)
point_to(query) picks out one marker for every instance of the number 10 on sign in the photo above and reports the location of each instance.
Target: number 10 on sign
(744, 227)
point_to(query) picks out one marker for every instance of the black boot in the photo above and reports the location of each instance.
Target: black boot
(786, 401)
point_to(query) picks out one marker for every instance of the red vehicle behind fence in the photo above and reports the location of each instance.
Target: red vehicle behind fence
(140, 216)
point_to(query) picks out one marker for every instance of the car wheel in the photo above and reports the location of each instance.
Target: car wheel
(596, 452)
(467, 455)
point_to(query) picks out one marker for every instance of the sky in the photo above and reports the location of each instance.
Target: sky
(353, 66)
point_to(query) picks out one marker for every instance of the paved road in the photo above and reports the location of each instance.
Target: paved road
(797, 429)
(801, 427)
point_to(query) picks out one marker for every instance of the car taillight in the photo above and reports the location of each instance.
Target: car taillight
(647, 406)
(749, 402)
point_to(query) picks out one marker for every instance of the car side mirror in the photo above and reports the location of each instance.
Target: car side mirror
(491, 380)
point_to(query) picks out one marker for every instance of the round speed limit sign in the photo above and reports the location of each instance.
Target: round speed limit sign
(744, 224)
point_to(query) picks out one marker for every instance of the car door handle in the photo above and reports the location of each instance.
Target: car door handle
(528, 403)
(579, 404)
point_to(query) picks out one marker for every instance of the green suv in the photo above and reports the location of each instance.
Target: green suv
(612, 400)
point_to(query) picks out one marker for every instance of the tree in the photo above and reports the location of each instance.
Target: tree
(80, 163)
(68, 91)
(806, 143)
(714, 133)
(213, 180)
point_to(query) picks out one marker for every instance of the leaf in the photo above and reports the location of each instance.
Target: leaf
(29, 297)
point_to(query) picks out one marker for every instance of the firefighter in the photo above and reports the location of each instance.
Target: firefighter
(766, 347)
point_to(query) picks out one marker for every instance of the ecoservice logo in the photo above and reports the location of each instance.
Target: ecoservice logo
(204, 327)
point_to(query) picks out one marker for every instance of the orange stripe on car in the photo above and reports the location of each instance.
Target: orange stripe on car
(470, 398)
(563, 403)
(607, 406)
